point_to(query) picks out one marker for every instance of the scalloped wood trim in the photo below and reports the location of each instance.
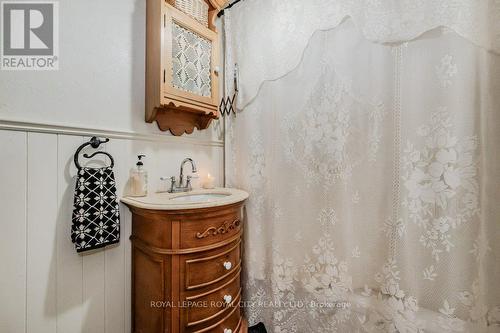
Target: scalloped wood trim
(180, 121)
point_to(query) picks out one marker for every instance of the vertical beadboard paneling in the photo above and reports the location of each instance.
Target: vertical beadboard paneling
(46, 285)
(70, 314)
(127, 230)
(115, 277)
(41, 233)
(93, 292)
(129, 159)
(93, 269)
(13, 232)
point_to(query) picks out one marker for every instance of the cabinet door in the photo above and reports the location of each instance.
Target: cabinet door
(191, 55)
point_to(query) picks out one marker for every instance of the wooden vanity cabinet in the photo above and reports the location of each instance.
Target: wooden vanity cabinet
(186, 267)
(182, 64)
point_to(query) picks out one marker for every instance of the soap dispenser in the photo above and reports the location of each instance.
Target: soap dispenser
(139, 179)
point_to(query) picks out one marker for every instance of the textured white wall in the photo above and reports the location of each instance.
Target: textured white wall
(100, 83)
(45, 287)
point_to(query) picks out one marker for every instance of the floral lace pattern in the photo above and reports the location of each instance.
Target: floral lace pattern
(377, 117)
(317, 137)
(372, 201)
(322, 127)
(290, 25)
(325, 276)
(327, 217)
(396, 311)
(441, 182)
(446, 70)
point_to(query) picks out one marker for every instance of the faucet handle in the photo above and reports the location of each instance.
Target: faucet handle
(172, 184)
(163, 184)
(188, 182)
(163, 178)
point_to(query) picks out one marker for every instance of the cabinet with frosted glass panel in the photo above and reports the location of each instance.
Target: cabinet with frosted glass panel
(182, 64)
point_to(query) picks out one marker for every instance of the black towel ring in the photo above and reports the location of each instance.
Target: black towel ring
(95, 142)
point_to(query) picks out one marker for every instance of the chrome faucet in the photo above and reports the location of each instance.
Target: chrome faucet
(181, 187)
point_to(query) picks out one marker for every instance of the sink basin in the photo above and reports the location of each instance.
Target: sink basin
(199, 197)
(187, 200)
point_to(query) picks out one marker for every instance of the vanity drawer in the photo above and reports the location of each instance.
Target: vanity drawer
(216, 303)
(232, 323)
(207, 270)
(229, 323)
(197, 233)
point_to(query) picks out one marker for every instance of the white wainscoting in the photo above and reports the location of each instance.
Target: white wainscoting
(45, 286)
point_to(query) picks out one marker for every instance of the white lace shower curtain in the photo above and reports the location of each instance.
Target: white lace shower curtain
(368, 141)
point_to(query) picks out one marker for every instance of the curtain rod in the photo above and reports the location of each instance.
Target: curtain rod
(227, 7)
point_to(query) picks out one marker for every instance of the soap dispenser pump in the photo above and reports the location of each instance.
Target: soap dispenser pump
(139, 179)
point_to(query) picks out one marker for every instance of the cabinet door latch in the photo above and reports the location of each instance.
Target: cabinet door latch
(164, 74)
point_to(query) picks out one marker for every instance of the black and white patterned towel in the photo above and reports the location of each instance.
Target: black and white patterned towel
(96, 217)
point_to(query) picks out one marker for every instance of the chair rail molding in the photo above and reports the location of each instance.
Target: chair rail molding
(25, 126)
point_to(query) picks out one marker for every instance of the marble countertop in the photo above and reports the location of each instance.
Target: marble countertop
(198, 198)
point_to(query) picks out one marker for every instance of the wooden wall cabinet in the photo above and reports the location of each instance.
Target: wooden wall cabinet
(182, 66)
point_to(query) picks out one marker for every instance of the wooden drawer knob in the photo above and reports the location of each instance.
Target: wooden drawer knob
(227, 265)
